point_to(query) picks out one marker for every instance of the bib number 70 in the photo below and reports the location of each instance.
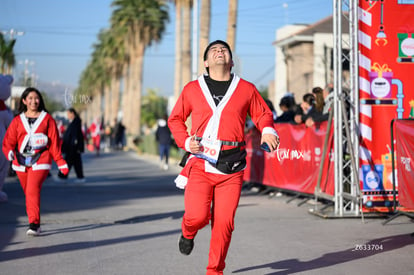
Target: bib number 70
(210, 150)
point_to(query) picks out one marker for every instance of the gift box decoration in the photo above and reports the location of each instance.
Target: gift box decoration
(380, 81)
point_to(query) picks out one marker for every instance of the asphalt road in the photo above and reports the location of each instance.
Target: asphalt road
(125, 219)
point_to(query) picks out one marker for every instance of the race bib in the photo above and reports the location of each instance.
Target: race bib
(210, 150)
(38, 141)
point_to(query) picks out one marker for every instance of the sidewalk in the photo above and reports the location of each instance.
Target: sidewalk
(125, 219)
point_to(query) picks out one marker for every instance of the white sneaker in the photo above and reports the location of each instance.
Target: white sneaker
(165, 167)
(32, 232)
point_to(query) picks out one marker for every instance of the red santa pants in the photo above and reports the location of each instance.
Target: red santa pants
(31, 182)
(212, 196)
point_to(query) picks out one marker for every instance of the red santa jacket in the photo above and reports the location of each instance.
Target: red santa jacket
(224, 122)
(45, 139)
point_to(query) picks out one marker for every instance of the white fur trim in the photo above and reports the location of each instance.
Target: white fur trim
(29, 130)
(10, 155)
(187, 144)
(41, 166)
(181, 181)
(211, 130)
(211, 169)
(269, 130)
(19, 168)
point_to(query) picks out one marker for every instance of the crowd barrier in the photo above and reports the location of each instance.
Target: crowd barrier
(295, 166)
(404, 143)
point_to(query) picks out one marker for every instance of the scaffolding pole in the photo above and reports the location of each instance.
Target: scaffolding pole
(347, 198)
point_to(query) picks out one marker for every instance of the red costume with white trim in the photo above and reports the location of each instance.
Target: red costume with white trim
(95, 130)
(224, 122)
(43, 137)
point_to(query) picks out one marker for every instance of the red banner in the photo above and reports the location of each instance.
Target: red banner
(404, 139)
(295, 165)
(386, 91)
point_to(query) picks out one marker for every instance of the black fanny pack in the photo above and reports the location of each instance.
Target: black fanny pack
(28, 160)
(229, 161)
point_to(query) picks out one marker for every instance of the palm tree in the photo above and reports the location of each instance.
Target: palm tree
(231, 24)
(114, 55)
(7, 57)
(186, 41)
(142, 22)
(94, 79)
(178, 58)
(182, 44)
(205, 19)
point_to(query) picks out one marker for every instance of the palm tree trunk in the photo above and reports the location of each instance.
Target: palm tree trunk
(136, 89)
(114, 99)
(186, 43)
(205, 19)
(178, 57)
(108, 98)
(231, 25)
(126, 112)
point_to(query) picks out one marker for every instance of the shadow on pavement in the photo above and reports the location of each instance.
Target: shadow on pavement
(291, 266)
(111, 179)
(73, 246)
(147, 218)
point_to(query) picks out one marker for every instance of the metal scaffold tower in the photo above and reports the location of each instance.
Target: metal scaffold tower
(348, 196)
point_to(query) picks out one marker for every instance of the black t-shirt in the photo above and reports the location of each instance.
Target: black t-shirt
(217, 88)
(31, 121)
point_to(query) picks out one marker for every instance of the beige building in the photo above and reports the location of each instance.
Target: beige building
(304, 58)
(13, 100)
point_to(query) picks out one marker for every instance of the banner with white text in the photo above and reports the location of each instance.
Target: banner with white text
(404, 143)
(295, 165)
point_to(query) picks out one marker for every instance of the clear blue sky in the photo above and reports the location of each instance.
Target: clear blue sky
(59, 36)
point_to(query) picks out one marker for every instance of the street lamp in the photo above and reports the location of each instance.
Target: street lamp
(12, 33)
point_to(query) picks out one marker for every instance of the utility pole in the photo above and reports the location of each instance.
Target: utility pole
(26, 72)
(12, 33)
(195, 40)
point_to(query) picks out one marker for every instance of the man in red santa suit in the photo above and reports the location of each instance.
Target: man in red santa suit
(31, 141)
(218, 103)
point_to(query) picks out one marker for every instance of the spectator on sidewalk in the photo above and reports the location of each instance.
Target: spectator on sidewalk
(119, 135)
(323, 103)
(163, 137)
(288, 106)
(306, 108)
(73, 145)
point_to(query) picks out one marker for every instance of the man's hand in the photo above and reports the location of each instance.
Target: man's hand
(195, 147)
(271, 140)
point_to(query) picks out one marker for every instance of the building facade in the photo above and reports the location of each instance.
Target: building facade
(304, 58)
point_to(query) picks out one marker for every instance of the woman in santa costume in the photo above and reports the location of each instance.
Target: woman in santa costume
(213, 174)
(31, 141)
(95, 130)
